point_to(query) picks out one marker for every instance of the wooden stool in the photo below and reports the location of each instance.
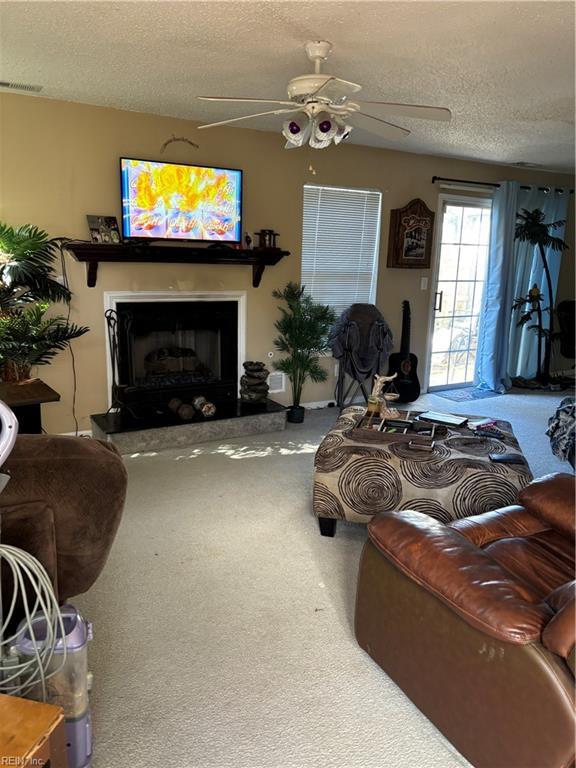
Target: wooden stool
(31, 733)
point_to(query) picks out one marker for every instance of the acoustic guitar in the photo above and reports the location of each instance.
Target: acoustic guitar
(404, 363)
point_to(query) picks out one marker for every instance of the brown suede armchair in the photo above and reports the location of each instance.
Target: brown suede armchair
(475, 621)
(63, 504)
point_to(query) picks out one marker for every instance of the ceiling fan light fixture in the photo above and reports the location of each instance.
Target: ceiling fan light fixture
(324, 127)
(316, 143)
(296, 130)
(343, 131)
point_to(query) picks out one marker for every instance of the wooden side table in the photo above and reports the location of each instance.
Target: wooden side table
(31, 733)
(25, 400)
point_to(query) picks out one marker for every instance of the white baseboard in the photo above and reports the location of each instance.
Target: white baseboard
(80, 433)
(317, 404)
(325, 403)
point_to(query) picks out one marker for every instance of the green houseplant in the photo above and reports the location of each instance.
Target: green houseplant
(27, 287)
(531, 228)
(303, 329)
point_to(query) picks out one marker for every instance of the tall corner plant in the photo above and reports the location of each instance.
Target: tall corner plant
(27, 288)
(531, 228)
(303, 329)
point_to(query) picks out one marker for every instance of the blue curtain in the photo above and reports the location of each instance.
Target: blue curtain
(513, 267)
(528, 269)
(494, 330)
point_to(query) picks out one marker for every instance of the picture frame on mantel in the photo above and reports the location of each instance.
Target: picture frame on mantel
(410, 236)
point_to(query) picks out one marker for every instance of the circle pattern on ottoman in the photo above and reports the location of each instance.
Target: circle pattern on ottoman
(403, 451)
(326, 504)
(330, 442)
(475, 446)
(368, 485)
(430, 507)
(325, 452)
(483, 493)
(335, 459)
(437, 474)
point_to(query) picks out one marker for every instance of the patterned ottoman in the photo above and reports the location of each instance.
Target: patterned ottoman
(355, 479)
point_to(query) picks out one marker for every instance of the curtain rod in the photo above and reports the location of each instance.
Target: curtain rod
(493, 184)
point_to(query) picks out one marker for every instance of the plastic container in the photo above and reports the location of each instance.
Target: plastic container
(68, 688)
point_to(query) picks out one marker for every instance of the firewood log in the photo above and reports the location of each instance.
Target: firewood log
(186, 412)
(203, 406)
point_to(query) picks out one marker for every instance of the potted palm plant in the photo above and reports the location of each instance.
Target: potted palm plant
(303, 329)
(27, 287)
(531, 228)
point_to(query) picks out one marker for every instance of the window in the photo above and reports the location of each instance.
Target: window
(340, 241)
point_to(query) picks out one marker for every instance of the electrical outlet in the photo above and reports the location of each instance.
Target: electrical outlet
(423, 283)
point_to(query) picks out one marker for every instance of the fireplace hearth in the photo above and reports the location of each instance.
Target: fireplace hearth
(168, 346)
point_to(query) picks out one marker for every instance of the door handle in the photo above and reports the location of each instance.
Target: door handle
(438, 296)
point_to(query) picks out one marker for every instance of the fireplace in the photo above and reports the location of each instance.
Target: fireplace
(175, 347)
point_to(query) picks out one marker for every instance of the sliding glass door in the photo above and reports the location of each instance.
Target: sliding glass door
(459, 286)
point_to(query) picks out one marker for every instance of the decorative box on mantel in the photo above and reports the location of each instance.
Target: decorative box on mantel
(172, 253)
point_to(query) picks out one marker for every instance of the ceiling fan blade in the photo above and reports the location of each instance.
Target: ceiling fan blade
(233, 99)
(336, 89)
(385, 129)
(412, 110)
(247, 117)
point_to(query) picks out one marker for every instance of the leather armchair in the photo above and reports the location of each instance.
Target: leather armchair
(63, 504)
(475, 621)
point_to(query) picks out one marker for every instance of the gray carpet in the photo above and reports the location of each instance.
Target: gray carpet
(224, 622)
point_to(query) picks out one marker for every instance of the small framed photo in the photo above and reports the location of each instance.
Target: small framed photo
(103, 229)
(410, 239)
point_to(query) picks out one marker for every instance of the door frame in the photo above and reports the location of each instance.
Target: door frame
(443, 197)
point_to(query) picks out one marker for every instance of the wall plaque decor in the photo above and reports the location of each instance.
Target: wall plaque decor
(410, 238)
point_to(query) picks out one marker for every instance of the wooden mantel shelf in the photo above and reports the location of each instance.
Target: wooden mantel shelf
(168, 253)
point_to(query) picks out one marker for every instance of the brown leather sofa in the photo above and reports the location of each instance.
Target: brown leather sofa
(63, 504)
(475, 621)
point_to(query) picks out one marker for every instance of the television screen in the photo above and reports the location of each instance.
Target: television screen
(165, 201)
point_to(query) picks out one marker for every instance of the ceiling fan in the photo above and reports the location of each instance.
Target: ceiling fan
(322, 106)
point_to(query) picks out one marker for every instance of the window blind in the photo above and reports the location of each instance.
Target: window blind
(340, 242)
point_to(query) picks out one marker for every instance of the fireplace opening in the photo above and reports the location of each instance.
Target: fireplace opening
(177, 349)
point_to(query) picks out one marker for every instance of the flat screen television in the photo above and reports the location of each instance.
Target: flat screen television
(169, 201)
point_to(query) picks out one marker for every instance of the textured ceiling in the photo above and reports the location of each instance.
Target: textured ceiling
(505, 69)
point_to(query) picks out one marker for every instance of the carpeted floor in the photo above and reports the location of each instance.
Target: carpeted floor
(224, 622)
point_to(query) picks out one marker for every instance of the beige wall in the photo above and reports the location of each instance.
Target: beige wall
(59, 161)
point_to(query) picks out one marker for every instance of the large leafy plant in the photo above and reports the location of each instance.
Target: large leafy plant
(531, 228)
(30, 338)
(27, 258)
(27, 287)
(303, 329)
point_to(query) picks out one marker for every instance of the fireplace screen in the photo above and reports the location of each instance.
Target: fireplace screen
(178, 345)
(182, 356)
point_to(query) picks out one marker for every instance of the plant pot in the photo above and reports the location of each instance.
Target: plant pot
(15, 372)
(295, 414)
